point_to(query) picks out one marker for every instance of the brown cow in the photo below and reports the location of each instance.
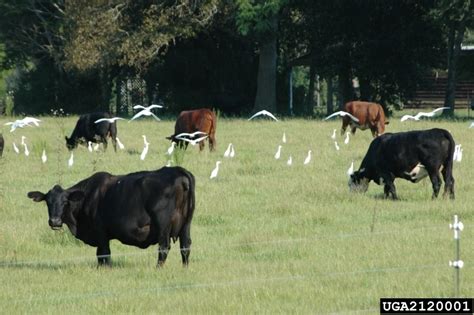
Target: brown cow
(190, 121)
(370, 115)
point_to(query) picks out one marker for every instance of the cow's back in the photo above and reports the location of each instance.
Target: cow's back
(196, 120)
(370, 115)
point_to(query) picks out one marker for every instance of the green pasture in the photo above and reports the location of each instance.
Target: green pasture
(267, 237)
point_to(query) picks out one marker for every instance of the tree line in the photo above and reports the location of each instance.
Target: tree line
(236, 56)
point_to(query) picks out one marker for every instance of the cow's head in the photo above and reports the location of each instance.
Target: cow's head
(71, 143)
(358, 182)
(58, 201)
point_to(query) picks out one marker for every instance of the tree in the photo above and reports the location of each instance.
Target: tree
(457, 16)
(260, 19)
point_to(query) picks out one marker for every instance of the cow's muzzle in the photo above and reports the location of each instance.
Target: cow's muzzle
(55, 224)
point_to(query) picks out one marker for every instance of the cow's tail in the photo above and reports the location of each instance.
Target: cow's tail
(448, 164)
(191, 195)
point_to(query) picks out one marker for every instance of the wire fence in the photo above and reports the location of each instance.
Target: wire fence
(226, 246)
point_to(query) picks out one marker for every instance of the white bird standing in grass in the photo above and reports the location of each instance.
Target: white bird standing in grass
(346, 141)
(145, 111)
(333, 137)
(471, 125)
(283, 139)
(89, 146)
(457, 156)
(232, 152)
(120, 144)
(422, 114)
(215, 170)
(290, 161)
(336, 145)
(145, 148)
(23, 143)
(110, 120)
(96, 147)
(171, 148)
(15, 148)
(350, 171)
(308, 158)
(227, 151)
(265, 113)
(71, 160)
(168, 164)
(44, 158)
(342, 113)
(278, 152)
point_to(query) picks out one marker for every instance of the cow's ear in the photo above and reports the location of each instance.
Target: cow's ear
(36, 196)
(75, 195)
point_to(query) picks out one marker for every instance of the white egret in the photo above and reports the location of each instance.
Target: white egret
(20, 123)
(215, 170)
(71, 160)
(110, 120)
(120, 144)
(145, 111)
(333, 137)
(192, 141)
(290, 161)
(283, 139)
(308, 158)
(44, 158)
(346, 140)
(96, 147)
(27, 152)
(190, 135)
(232, 152)
(89, 146)
(350, 171)
(471, 125)
(15, 148)
(265, 113)
(145, 148)
(278, 152)
(227, 151)
(460, 154)
(336, 145)
(342, 113)
(423, 114)
(171, 148)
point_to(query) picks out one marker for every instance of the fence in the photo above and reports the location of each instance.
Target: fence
(457, 263)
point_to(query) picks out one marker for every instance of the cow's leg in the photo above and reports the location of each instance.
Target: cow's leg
(185, 243)
(435, 181)
(163, 241)
(353, 130)
(212, 141)
(104, 141)
(345, 123)
(114, 143)
(448, 183)
(163, 250)
(389, 187)
(103, 254)
(201, 145)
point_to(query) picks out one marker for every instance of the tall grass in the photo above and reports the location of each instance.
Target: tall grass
(267, 237)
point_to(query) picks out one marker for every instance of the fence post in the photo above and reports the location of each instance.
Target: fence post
(457, 226)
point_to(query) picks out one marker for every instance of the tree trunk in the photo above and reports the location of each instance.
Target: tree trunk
(345, 86)
(309, 102)
(267, 71)
(330, 103)
(455, 38)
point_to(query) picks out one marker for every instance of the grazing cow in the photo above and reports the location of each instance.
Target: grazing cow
(2, 143)
(87, 130)
(139, 209)
(411, 155)
(190, 121)
(370, 115)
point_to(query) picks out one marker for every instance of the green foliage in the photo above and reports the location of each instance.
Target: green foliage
(253, 15)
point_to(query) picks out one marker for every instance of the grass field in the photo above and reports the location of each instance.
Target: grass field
(267, 237)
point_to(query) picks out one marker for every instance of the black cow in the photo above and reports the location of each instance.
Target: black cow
(411, 155)
(139, 209)
(87, 130)
(2, 143)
